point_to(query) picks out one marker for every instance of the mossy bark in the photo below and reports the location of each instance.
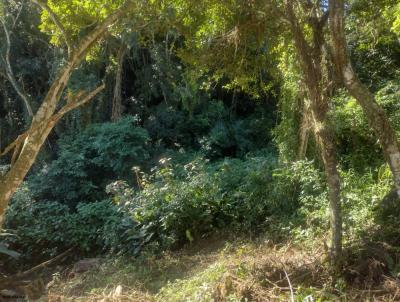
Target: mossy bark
(311, 61)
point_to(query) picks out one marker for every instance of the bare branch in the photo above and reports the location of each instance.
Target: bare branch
(14, 144)
(10, 73)
(56, 22)
(290, 286)
(7, 281)
(18, 14)
(76, 103)
(298, 35)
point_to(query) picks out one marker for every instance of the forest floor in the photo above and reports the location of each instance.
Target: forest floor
(228, 270)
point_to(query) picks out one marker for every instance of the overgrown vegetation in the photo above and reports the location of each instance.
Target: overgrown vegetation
(209, 129)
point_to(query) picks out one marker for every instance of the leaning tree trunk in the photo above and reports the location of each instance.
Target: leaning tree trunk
(376, 115)
(311, 63)
(45, 118)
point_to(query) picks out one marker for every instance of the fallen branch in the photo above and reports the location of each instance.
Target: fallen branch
(19, 277)
(290, 286)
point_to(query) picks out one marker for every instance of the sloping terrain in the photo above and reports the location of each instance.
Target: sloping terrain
(219, 270)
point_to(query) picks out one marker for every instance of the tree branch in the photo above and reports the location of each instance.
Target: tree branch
(56, 22)
(7, 281)
(10, 73)
(18, 14)
(41, 122)
(76, 103)
(274, 7)
(79, 100)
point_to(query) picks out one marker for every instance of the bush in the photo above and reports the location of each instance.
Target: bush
(87, 161)
(45, 229)
(180, 204)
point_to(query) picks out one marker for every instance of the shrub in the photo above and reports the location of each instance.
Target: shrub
(87, 161)
(45, 229)
(179, 204)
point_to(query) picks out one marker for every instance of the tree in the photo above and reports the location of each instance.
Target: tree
(229, 34)
(27, 146)
(376, 115)
(311, 57)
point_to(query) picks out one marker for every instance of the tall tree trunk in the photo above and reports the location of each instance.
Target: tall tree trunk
(312, 62)
(325, 138)
(43, 121)
(117, 108)
(376, 115)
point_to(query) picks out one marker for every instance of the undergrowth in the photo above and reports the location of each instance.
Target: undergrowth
(223, 270)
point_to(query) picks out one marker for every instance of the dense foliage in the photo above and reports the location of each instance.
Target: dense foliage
(207, 140)
(88, 160)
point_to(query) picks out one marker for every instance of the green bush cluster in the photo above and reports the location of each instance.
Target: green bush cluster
(89, 160)
(178, 204)
(45, 229)
(183, 201)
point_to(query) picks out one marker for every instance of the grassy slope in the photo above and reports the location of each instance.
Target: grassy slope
(219, 270)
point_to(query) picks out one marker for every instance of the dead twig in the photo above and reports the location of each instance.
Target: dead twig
(290, 286)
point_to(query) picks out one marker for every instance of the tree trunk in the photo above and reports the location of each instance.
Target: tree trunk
(117, 108)
(375, 114)
(325, 138)
(312, 62)
(304, 132)
(42, 122)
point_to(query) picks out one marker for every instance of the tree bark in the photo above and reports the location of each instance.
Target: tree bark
(304, 132)
(117, 107)
(325, 138)
(311, 62)
(40, 126)
(376, 115)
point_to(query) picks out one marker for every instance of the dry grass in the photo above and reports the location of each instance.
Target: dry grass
(217, 270)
